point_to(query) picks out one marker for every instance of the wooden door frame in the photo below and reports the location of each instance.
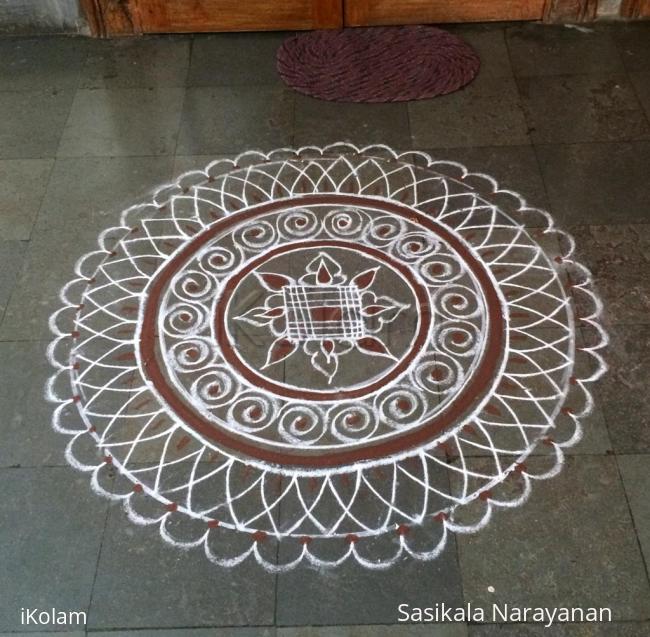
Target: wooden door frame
(108, 18)
(635, 9)
(570, 10)
(120, 17)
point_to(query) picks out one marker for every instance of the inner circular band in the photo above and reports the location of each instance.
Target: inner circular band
(473, 391)
(230, 352)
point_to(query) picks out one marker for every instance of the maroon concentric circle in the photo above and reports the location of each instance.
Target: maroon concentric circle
(230, 352)
(480, 382)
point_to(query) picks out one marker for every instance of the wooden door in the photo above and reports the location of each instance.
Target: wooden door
(374, 12)
(123, 17)
(635, 9)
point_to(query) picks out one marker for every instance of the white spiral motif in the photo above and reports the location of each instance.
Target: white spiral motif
(185, 319)
(251, 412)
(301, 425)
(412, 246)
(458, 302)
(402, 405)
(438, 374)
(297, 224)
(218, 261)
(192, 354)
(440, 269)
(194, 286)
(352, 422)
(260, 234)
(456, 338)
(385, 229)
(215, 388)
(346, 223)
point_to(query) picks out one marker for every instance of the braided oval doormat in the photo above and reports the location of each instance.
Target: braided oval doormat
(377, 64)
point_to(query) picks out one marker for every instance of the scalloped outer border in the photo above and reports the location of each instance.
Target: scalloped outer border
(489, 502)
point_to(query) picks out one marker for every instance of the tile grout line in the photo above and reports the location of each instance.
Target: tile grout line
(524, 111)
(74, 97)
(644, 561)
(99, 554)
(628, 75)
(182, 108)
(3, 312)
(41, 203)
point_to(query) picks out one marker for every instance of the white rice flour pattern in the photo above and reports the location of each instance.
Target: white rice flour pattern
(324, 354)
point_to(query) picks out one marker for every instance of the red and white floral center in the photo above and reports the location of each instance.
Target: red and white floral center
(325, 314)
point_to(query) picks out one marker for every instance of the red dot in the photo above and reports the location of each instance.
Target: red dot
(404, 404)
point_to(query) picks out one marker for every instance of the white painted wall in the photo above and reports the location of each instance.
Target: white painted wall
(40, 16)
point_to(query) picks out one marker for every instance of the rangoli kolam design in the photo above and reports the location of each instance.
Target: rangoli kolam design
(377, 64)
(324, 354)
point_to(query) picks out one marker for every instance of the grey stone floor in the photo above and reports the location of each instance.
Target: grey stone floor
(86, 127)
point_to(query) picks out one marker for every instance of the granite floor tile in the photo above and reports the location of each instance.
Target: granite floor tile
(617, 256)
(633, 40)
(542, 49)
(572, 544)
(233, 119)
(22, 185)
(597, 183)
(489, 41)
(352, 594)
(319, 122)
(11, 262)
(130, 121)
(209, 596)
(51, 526)
(487, 113)
(429, 630)
(566, 109)
(623, 396)
(25, 424)
(513, 167)
(615, 629)
(641, 83)
(137, 62)
(89, 193)
(31, 122)
(41, 63)
(636, 482)
(227, 59)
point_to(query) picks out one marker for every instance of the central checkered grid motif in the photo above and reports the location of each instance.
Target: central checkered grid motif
(323, 312)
